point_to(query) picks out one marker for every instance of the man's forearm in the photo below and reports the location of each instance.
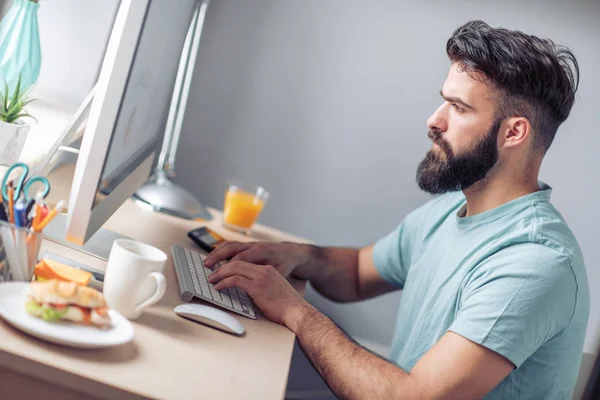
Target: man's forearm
(350, 371)
(333, 272)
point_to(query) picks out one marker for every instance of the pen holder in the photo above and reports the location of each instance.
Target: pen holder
(19, 249)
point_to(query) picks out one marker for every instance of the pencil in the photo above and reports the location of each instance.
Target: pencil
(11, 201)
(37, 216)
(59, 207)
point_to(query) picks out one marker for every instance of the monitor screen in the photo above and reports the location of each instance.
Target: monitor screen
(129, 112)
(142, 116)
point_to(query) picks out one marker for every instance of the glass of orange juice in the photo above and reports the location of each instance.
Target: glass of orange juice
(243, 203)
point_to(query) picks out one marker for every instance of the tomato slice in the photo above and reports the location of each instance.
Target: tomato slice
(86, 314)
(102, 311)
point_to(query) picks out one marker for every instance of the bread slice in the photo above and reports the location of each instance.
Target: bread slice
(70, 293)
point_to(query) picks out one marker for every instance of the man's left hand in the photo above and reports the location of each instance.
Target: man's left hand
(271, 292)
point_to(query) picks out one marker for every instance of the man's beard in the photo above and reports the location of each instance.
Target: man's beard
(437, 175)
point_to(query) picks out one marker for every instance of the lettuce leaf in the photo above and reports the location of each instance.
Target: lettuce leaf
(46, 313)
(33, 308)
(51, 314)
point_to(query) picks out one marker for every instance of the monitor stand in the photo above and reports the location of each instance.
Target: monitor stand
(99, 245)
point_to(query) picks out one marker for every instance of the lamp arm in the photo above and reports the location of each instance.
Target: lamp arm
(166, 159)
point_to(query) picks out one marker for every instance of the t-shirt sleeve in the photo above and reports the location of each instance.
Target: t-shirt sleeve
(391, 254)
(516, 300)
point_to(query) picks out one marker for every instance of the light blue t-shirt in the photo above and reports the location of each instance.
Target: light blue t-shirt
(511, 279)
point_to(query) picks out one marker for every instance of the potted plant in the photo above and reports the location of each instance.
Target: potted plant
(13, 131)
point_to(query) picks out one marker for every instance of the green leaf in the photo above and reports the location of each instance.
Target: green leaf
(33, 308)
(52, 314)
(28, 101)
(11, 117)
(15, 96)
(15, 107)
(24, 114)
(9, 106)
(12, 109)
(5, 94)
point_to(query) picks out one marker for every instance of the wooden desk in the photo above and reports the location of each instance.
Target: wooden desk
(170, 357)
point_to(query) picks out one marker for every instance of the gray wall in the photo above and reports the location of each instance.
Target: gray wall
(4, 6)
(71, 56)
(325, 102)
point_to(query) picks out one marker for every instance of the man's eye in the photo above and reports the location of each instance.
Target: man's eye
(457, 107)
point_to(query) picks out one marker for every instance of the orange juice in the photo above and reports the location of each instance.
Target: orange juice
(241, 208)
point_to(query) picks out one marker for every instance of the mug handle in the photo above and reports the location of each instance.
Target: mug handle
(161, 288)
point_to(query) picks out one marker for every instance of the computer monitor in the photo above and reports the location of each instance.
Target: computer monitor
(129, 110)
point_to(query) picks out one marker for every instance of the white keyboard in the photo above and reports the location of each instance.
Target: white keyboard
(192, 276)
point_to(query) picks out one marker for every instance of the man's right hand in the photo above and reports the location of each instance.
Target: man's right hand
(285, 257)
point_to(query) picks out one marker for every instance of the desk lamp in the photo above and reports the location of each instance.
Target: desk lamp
(160, 193)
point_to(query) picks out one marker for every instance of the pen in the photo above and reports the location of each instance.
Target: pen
(11, 193)
(20, 216)
(29, 206)
(59, 207)
(31, 202)
(3, 216)
(37, 211)
(21, 237)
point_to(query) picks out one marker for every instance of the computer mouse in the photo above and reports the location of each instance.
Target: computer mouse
(210, 316)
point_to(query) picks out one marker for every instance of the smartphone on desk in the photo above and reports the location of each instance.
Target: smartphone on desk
(205, 238)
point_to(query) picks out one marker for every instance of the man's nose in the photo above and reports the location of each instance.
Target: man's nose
(437, 120)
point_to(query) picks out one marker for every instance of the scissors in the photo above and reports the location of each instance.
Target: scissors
(22, 184)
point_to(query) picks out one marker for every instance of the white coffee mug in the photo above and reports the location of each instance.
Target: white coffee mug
(133, 278)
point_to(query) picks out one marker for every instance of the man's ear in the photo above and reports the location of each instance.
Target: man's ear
(514, 131)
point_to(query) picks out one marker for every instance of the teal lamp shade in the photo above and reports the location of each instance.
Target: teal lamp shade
(20, 53)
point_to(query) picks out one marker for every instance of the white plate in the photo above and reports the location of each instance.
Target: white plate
(12, 309)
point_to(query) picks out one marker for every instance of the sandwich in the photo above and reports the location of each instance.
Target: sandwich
(55, 300)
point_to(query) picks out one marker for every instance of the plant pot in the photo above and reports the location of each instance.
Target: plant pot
(12, 140)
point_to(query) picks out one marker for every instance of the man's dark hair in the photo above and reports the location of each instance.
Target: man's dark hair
(534, 77)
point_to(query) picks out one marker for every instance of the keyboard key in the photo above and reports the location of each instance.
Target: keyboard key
(195, 279)
(215, 293)
(197, 260)
(235, 300)
(226, 299)
(205, 289)
(243, 296)
(207, 272)
(237, 305)
(233, 294)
